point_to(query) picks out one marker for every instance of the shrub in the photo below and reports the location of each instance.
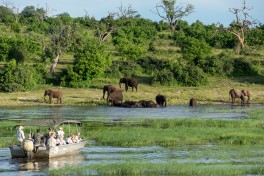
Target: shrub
(123, 68)
(195, 51)
(191, 76)
(19, 77)
(164, 77)
(243, 67)
(91, 61)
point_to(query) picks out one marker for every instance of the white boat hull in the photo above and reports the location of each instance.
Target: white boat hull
(47, 152)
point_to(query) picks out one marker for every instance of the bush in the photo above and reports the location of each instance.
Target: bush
(220, 65)
(191, 76)
(164, 77)
(19, 77)
(243, 67)
(91, 61)
(195, 51)
(123, 68)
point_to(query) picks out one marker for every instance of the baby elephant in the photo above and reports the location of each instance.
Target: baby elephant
(53, 94)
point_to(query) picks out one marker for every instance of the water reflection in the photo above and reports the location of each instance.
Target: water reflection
(93, 112)
(203, 154)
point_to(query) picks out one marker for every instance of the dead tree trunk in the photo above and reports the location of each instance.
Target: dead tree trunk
(55, 62)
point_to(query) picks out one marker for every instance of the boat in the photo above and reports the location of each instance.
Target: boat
(27, 149)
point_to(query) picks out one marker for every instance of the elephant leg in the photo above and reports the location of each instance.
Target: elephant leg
(50, 99)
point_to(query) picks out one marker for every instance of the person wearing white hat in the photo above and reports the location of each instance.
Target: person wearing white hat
(20, 134)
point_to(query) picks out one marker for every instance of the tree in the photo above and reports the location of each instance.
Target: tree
(172, 13)
(241, 24)
(91, 60)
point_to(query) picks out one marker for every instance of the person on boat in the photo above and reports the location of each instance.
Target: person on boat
(60, 136)
(30, 137)
(69, 140)
(77, 137)
(37, 139)
(42, 142)
(73, 138)
(20, 134)
(60, 133)
(52, 141)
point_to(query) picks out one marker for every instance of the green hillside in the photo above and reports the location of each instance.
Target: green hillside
(195, 60)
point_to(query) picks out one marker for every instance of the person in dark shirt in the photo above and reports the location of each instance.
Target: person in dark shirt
(37, 139)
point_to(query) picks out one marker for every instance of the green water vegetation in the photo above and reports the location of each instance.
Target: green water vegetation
(237, 135)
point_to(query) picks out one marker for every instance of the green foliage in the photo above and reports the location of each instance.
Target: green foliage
(194, 50)
(191, 76)
(164, 77)
(220, 65)
(19, 77)
(244, 67)
(133, 39)
(123, 68)
(91, 61)
(255, 36)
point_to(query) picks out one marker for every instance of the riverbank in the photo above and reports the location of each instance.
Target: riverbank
(216, 92)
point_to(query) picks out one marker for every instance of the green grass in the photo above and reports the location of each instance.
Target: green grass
(170, 168)
(164, 132)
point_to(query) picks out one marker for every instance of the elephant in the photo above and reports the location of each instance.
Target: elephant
(115, 97)
(131, 104)
(109, 89)
(193, 102)
(161, 100)
(236, 93)
(53, 94)
(247, 93)
(147, 104)
(131, 82)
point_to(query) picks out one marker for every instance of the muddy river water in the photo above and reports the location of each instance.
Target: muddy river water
(94, 154)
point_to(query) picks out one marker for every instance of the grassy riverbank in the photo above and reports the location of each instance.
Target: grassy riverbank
(216, 92)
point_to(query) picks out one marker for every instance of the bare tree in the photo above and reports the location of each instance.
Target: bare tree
(126, 12)
(172, 13)
(105, 27)
(242, 22)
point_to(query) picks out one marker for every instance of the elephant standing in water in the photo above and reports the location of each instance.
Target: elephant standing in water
(161, 100)
(53, 94)
(247, 93)
(236, 93)
(131, 82)
(109, 89)
(116, 97)
(193, 102)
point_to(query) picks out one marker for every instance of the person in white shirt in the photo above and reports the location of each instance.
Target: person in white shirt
(69, 140)
(20, 134)
(52, 141)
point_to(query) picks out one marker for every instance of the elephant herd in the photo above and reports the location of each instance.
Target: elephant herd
(115, 96)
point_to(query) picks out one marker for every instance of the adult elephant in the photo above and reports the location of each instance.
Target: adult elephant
(116, 98)
(147, 104)
(236, 93)
(161, 100)
(109, 89)
(131, 82)
(248, 94)
(53, 94)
